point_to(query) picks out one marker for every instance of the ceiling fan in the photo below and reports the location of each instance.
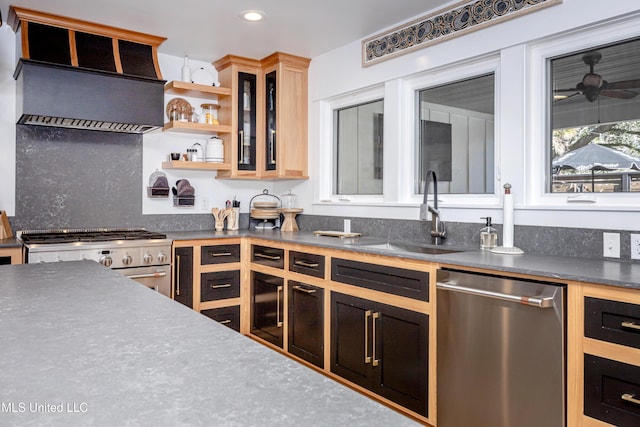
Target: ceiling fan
(593, 85)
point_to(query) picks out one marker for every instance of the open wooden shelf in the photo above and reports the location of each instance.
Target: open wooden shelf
(177, 87)
(192, 127)
(203, 166)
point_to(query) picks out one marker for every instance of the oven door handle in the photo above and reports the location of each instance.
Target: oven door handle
(148, 275)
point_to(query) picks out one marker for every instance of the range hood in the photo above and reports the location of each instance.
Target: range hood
(71, 97)
(80, 75)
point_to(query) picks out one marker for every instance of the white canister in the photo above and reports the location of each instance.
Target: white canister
(198, 152)
(215, 150)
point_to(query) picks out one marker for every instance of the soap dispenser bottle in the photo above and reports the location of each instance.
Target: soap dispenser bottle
(488, 235)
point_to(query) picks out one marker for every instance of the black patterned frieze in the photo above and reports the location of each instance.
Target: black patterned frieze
(464, 17)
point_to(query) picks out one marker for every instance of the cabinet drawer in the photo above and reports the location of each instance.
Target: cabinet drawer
(219, 285)
(612, 321)
(397, 281)
(611, 391)
(219, 254)
(265, 255)
(228, 316)
(304, 263)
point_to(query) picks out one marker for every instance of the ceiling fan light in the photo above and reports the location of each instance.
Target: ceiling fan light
(592, 80)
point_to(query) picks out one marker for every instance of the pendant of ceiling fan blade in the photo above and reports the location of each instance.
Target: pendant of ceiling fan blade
(560, 98)
(625, 84)
(571, 89)
(618, 94)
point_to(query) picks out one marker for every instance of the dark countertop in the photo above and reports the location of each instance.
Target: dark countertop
(624, 274)
(82, 339)
(10, 243)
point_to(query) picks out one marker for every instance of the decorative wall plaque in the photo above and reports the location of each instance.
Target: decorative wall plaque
(463, 18)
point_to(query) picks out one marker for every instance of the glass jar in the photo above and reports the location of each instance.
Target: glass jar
(208, 114)
(288, 200)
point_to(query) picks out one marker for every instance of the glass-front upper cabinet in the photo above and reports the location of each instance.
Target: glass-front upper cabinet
(247, 121)
(268, 114)
(270, 108)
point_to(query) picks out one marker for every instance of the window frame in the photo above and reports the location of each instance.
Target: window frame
(537, 147)
(327, 145)
(451, 73)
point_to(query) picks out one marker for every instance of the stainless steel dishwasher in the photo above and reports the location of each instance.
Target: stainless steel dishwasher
(501, 351)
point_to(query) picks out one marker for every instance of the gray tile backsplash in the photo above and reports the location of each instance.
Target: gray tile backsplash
(68, 178)
(573, 242)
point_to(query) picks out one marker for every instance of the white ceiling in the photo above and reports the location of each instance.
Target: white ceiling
(209, 29)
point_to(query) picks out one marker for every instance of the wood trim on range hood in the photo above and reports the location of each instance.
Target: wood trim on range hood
(20, 18)
(80, 75)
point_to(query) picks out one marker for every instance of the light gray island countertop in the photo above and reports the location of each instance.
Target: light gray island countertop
(82, 345)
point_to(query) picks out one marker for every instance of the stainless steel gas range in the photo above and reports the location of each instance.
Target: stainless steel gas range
(141, 255)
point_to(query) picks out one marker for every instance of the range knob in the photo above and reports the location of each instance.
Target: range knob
(127, 260)
(147, 258)
(162, 257)
(106, 260)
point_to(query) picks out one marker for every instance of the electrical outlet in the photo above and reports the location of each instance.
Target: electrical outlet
(635, 246)
(204, 204)
(611, 245)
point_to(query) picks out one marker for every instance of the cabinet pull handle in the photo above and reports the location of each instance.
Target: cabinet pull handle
(367, 358)
(155, 275)
(178, 275)
(305, 290)
(630, 398)
(375, 362)
(630, 325)
(240, 147)
(278, 321)
(215, 254)
(303, 263)
(224, 322)
(272, 140)
(220, 286)
(266, 256)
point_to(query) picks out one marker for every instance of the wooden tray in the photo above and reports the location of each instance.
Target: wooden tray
(340, 234)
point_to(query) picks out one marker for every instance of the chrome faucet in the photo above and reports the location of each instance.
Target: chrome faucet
(438, 230)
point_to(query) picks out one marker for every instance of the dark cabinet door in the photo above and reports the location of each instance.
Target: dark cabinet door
(183, 276)
(306, 331)
(267, 303)
(382, 348)
(247, 121)
(350, 338)
(400, 356)
(271, 123)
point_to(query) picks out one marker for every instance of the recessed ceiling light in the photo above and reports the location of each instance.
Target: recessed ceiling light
(252, 15)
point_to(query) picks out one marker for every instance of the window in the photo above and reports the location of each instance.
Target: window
(595, 120)
(358, 140)
(455, 128)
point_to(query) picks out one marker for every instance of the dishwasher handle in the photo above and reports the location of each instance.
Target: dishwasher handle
(544, 302)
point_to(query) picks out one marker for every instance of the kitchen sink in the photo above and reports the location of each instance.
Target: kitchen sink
(410, 247)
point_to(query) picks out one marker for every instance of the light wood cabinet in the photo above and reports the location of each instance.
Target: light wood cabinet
(10, 256)
(603, 376)
(268, 116)
(207, 278)
(311, 303)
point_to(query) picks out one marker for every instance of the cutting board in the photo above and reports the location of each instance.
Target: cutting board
(5, 227)
(340, 234)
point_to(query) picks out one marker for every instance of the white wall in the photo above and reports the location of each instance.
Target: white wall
(210, 192)
(340, 71)
(7, 121)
